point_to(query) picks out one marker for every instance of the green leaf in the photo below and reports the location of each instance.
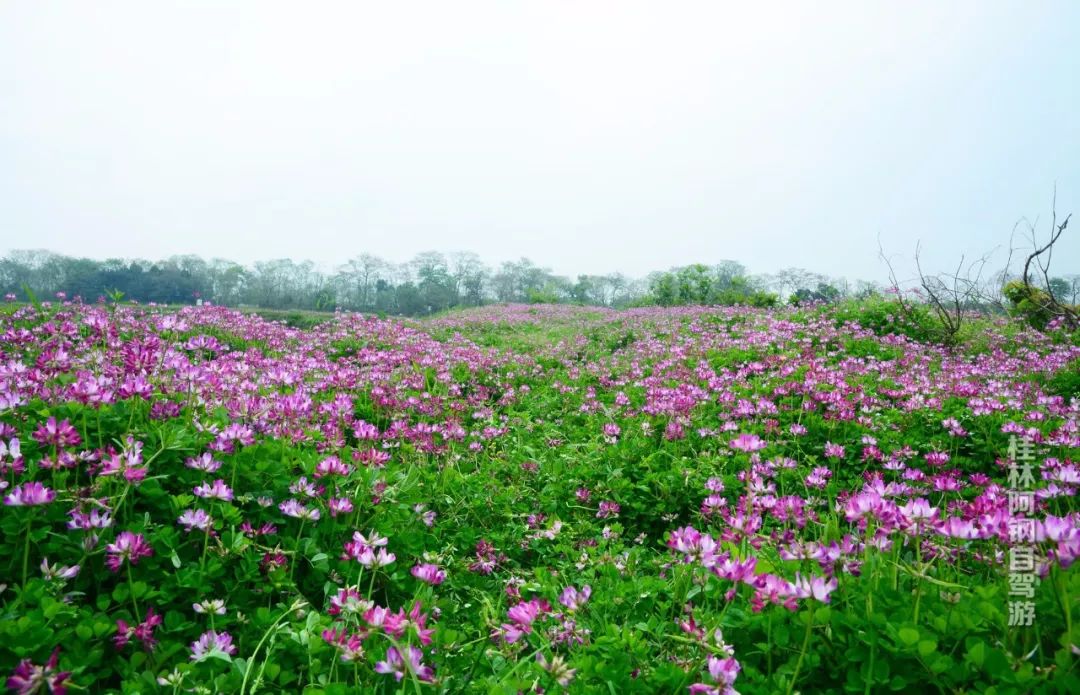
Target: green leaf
(977, 654)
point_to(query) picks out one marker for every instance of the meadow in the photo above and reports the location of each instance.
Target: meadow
(536, 499)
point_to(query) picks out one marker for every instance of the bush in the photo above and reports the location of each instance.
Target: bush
(886, 316)
(1029, 303)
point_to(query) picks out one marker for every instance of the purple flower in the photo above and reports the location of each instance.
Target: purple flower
(348, 601)
(723, 672)
(59, 434)
(144, 631)
(522, 617)
(51, 572)
(213, 645)
(28, 677)
(351, 645)
(369, 558)
(574, 599)
(332, 466)
(396, 665)
(218, 491)
(195, 519)
(748, 443)
(608, 509)
(364, 430)
(128, 546)
(339, 505)
(427, 572)
(296, 510)
(817, 587)
(205, 463)
(29, 495)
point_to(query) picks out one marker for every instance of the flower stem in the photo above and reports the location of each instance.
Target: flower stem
(26, 549)
(802, 652)
(296, 550)
(298, 604)
(131, 590)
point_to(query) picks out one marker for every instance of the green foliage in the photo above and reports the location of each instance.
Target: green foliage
(723, 285)
(885, 316)
(1066, 383)
(1030, 303)
(533, 389)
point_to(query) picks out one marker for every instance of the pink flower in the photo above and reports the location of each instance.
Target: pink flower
(332, 466)
(62, 572)
(59, 434)
(916, 511)
(144, 631)
(296, 510)
(819, 477)
(817, 588)
(212, 644)
(369, 558)
(205, 463)
(128, 546)
(29, 495)
(28, 678)
(364, 430)
(192, 519)
(400, 667)
(218, 491)
(351, 645)
(723, 672)
(608, 509)
(522, 616)
(834, 451)
(748, 443)
(339, 505)
(348, 601)
(429, 573)
(574, 599)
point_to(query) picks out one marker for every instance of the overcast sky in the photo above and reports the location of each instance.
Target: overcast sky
(588, 136)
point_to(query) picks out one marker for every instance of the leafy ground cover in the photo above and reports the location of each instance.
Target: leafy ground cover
(533, 499)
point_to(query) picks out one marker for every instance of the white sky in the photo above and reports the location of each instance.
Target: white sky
(588, 136)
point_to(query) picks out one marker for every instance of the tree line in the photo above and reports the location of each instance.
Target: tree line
(429, 283)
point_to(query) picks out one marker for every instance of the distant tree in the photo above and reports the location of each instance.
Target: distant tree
(470, 278)
(438, 290)
(1060, 287)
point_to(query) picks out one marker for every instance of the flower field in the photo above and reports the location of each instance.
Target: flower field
(535, 499)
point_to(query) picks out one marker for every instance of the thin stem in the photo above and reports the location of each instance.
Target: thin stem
(802, 652)
(371, 584)
(296, 549)
(1065, 604)
(768, 633)
(131, 590)
(251, 661)
(202, 558)
(26, 549)
(918, 581)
